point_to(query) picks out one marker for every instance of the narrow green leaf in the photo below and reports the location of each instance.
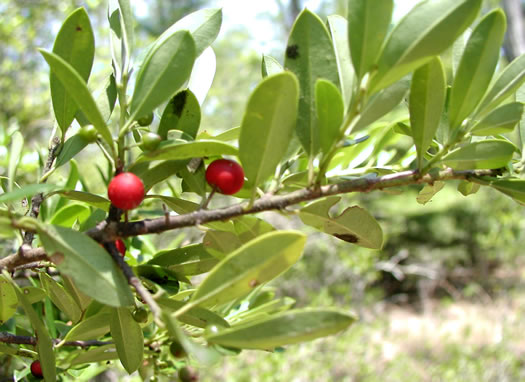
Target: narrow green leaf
(15, 155)
(515, 188)
(354, 225)
(190, 260)
(166, 67)
(505, 84)
(61, 298)
(476, 67)
(490, 153)
(256, 262)
(427, 193)
(75, 44)
(338, 27)
(468, 188)
(501, 120)
(128, 337)
(8, 299)
(182, 113)
(33, 294)
(90, 328)
(426, 31)
(80, 298)
(105, 98)
(160, 172)
(197, 316)
(270, 66)
(382, 103)
(71, 147)
(68, 215)
(76, 87)
(426, 104)
(309, 55)
(26, 192)
(283, 329)
(127, 24)
(173, 150)
(330, 112)
(91, 199)
(368, 23)
(203, 74)
(267, 126)
(96, 354)
(87, 263)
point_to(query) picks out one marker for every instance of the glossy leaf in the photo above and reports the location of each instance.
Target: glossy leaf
(499, 121)
(428, 191)
(15, 155)
(476, 67)
(490, 153)
(127, 22)
(190, 260)
(197, 316)
(515, 188)
(75, 44)
(61, 298)
(96, 354)
(87, 263)
(105, 98)
(505, 84)
(76, 87)
(90, 328)
(426, 31)
(68, 215)
(166, 67)
(427, 101)
(72, 147)
(267, 126)
(330, 112)
(338, 27)
(26, 192)
(91, 199)
(181, 113)
(354, 225)
(160, 172)
(8, 300)
(270, 66)
(368, 23)
(310, 56)
(202, 74)
(128, 337)
(188, 150)
(381, 103)
(283, 329)
(256, 262)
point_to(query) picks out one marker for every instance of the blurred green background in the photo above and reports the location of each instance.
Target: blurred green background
(444, 300)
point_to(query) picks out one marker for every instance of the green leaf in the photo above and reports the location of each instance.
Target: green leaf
(75, 44)
(203, 74)
(204, 26)
(44, 345)
(90, 328)
(170, 150)
(190, 260)
(270, 66)
(80, 298)
(428, 191)
(15, 155)
(501, 120)
(91, 199)
(8, 299)
(515, 188)
(426, 31)
(71, 147)
(87, 263)
(490, 153)
(61, 298)
(96, 354)
(106, 97)
(166, 67)
(182, 113)
(468, 188)
(505, 84)
(197, 316)
(283, 329)
(76, 87)
(354, 225)
(267, 126)
(127, 22)
(426, 104)
(26, 192)
(381, 103)
(68, 215)
(128, 337)
(160, 172)
(256, 262)
(33, 294)
(476, 67)
(338, 27)
(330, 112)
(309, 54)
(368, 23)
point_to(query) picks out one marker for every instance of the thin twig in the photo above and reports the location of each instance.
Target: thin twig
(9, 338)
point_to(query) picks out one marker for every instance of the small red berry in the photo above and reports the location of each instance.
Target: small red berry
(226, 175)
(36, 369)
(121, 247)
(126, 191)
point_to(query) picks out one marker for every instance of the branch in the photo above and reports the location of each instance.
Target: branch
(108, 231)
(9, 338)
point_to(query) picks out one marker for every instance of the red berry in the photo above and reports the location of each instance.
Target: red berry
(126, 191)
(226, 175)
(121, 247)
(36, 369)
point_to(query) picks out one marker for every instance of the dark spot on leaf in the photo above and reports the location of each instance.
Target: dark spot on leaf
(254, 283)
(178, 102)
(79, 28)
(347, 237)
(292, 51)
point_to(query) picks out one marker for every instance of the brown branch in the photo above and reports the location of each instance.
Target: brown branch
(9, 338)
(108, 231)
(37, 199)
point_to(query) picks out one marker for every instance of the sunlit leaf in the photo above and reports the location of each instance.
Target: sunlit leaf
(490, 153)
(330, 112)
(182, 113)
(61, 298)
(338, 27)
(501, 120)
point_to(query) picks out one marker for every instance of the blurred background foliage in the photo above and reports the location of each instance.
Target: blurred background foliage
(441, 301)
